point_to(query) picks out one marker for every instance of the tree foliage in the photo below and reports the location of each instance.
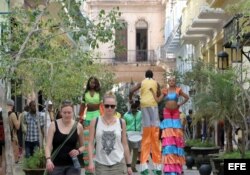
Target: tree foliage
(221, 96)
(53, 59)
(241, 11)
(42, 47)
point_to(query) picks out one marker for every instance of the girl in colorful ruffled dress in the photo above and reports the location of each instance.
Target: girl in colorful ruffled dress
(172, 133)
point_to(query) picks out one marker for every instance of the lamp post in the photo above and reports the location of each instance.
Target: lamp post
(223, 62)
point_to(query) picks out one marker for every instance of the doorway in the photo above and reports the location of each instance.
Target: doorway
(141, 41)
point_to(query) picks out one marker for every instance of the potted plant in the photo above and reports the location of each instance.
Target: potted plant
(219, 161)
(189, 157)
(191, 154)
(188, 145)
(200, 150)
(35, 164)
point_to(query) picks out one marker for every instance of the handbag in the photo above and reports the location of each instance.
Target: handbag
(55, 153)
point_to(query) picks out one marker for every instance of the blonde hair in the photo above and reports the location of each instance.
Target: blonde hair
(109, 94)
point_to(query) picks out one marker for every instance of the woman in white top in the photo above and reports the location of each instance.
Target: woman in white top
(111, 142)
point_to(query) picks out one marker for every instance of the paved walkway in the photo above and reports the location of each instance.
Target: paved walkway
(194, 171)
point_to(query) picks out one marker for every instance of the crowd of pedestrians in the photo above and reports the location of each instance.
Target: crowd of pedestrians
(102, 137)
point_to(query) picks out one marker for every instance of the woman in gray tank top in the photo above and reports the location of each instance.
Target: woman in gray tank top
(111, 142)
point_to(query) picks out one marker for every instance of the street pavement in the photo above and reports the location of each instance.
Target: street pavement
(194, 171)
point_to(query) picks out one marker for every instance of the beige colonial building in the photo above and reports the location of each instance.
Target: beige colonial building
(142, 37)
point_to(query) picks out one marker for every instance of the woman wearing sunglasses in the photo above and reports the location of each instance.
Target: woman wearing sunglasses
(111, 142)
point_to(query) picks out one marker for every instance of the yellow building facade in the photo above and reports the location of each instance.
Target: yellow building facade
(203, 25)
(210, 28)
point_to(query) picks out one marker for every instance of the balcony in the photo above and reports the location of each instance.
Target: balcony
(144, 57)
(211, 13)
(215, 3)
(233, 30)
(203, 23)
(230, 30)
(133, 56)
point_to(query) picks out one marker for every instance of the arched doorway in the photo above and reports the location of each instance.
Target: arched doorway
(141, 40)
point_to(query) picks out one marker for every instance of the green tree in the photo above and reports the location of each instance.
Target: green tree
(216, 102)
(37, 52)
(121, 103)
(222, 97)
(240, 10)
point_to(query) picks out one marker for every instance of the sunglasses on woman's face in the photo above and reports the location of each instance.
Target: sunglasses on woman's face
(109, 106)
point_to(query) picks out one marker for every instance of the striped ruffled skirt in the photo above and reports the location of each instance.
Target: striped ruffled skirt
(90, 116)
(172, 142)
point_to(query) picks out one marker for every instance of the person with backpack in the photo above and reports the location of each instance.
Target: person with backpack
(14, 126)
(111, 142)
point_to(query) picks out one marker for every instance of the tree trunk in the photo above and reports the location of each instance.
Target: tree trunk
(9, 157)
(243, 144)
(229, 137)
(198, 130)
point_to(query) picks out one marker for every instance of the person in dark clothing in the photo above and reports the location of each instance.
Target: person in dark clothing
(57, 133)
(189, 121)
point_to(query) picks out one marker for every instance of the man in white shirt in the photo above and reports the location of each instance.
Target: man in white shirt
(48, 115)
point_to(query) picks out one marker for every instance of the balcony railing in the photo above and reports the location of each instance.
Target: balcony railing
(234, 31)
(136, 56)
(230, 30)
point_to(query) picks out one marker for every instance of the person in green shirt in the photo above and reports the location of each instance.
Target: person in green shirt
(133, 123)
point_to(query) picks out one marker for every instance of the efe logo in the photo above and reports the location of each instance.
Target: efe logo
(237, 166)
(234, 166)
